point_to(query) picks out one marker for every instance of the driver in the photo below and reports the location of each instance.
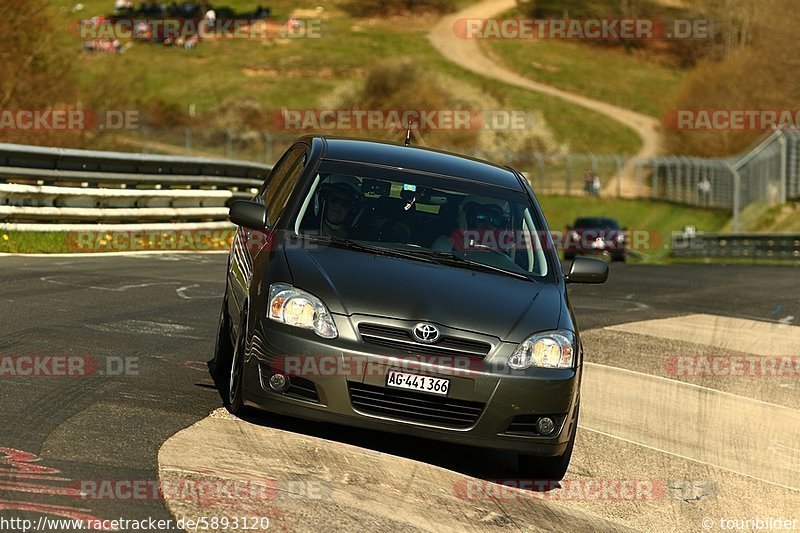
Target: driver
(480, 221)
(341, 205)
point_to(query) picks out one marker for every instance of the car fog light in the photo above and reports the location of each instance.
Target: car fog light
(278, 382)
(545, 425)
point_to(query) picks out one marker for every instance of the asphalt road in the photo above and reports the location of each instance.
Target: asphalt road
(144, 325)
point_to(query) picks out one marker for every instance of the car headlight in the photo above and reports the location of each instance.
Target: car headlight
(620, 237)
(553, 349)
(298, 308)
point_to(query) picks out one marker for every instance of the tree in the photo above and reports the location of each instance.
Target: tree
(35, 67)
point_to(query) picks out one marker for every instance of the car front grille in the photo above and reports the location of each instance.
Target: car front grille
(401, 339)
(414, 406)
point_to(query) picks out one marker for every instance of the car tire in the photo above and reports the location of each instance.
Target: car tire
(549, 468)
(223, 348)
(619, 257)
(568, 256)
(235, 393)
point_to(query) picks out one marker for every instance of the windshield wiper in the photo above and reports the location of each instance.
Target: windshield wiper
(379, 250)
(449, 257)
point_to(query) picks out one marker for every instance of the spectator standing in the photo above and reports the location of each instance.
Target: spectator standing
(588, 182)
(704, 191)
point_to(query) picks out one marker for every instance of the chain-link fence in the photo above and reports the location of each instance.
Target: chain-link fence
(574, 173)
(769, 173)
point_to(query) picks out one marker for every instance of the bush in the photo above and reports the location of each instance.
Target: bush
(35, 69)
(385, 8)
(760, 76)
(403, 85)
(680, 52)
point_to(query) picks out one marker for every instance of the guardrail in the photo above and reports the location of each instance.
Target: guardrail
(42, 187)
(773, 246)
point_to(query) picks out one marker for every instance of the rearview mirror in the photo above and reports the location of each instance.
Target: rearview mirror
(587, 270)
(252, 215)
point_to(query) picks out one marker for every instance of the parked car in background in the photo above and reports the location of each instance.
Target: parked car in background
(407, 290)
(595, 235)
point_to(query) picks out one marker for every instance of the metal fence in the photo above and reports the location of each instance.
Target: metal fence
(769, 173)
(565, 174)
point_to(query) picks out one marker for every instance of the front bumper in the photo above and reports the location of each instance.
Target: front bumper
(343, 381)
(599, 246)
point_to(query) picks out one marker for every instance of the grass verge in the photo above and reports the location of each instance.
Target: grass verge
(627, 79)
(650, 223)
(300, 73)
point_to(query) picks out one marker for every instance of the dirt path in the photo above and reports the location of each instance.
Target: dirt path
(468, 54)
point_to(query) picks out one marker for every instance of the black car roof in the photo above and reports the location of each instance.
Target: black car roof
(418, 158)
(588, 222)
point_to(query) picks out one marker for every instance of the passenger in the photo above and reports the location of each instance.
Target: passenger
(477, 217)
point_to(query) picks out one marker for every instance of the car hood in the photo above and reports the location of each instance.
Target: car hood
(353, 282)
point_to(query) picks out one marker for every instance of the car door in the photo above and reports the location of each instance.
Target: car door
(247, 243)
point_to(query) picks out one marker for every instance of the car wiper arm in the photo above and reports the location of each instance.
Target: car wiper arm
(379, 250)
(458, 260)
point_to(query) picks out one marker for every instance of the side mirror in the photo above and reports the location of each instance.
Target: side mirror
(252, 215)
(587, 270)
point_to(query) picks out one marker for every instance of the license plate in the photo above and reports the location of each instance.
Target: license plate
(403, 380)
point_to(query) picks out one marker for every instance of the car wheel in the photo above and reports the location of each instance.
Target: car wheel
(223, 349)
(235, 399)
(568, 256)
(550, 468)
(619, 257)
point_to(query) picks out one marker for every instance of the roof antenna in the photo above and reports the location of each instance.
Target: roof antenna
(408, 135)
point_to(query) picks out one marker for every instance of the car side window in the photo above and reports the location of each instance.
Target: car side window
(282, 182)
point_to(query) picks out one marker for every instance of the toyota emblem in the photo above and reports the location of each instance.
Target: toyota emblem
(425, 332)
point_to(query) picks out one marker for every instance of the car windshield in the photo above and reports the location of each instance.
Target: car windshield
(597, 223)
(461, 222)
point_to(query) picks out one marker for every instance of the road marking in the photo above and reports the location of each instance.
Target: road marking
(660, 450)
(694, 422)
(181, 291)
(121, 288)
(733, 334)
(146, 327)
